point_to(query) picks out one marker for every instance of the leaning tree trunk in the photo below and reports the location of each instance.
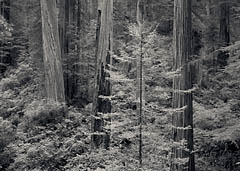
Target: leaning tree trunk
(182, 118)
(51, 52)
(101, 101)
(224, 34)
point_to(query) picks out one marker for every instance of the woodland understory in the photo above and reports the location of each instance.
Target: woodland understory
(38, 134)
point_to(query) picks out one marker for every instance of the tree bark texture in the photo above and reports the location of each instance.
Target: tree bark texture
(51, 52)
(224, 33)
(182, 117)
(102, 104)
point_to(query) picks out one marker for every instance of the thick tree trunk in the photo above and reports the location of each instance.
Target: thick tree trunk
(224, 34)
(182, 118)
(51, 52)
(101, 102)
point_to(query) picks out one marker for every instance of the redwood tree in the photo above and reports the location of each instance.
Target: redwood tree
(182, 118)
(51, 52)
(102, 87)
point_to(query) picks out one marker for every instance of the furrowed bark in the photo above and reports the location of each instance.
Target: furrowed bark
(100, 137)
(51, 52)
(182, 121)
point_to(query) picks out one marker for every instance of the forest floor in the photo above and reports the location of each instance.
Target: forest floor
(41, 136)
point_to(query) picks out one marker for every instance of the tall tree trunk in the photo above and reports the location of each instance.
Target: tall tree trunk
(101, 101)
(140, 78)
(182, 118)
(224, 33)
(62, 25)
(51, 52)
